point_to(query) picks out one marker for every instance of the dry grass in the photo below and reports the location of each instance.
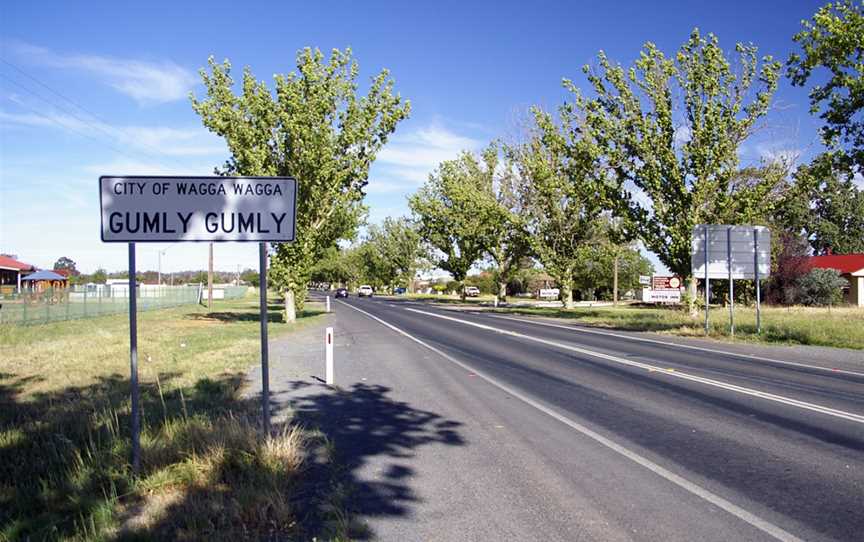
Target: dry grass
(206, 472)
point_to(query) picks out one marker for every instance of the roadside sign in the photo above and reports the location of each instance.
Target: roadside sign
(665, 283)
(549, 293)
(173, 209)
(645, 280)
(739, 258)
(661, 296)
(722, 251)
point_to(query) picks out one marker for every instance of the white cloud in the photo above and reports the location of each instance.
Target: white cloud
(408, 159)
(778, 153)
(144, 81)
(157, 140)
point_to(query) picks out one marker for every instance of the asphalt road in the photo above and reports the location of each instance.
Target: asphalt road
(559, 434)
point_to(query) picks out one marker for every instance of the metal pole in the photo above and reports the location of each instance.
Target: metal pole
(731, 284)
(210, 279)
(707, 282)
(265, 370)
(615, 279)
(133, 361)
(756, 278)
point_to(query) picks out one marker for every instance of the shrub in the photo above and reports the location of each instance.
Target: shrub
(821, 287)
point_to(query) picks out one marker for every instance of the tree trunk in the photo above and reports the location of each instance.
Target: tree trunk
(692, 292)
(567, 295)
(290, 308)
(502, 292)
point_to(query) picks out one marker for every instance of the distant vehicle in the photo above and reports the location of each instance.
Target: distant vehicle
(364, 291)
(472, 291)
(341, 292)
(400, 291)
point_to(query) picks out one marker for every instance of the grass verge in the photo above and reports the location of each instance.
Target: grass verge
(206, 473)
(841, 327)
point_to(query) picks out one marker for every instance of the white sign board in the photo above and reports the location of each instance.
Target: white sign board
(645, 280)
(743, 257)
(661, 296)
(549, 293)
(170, 209)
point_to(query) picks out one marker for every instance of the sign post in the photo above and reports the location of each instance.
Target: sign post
(133, 360)
(140, 209)
(707, 282)
(731, 284)
(265, 350)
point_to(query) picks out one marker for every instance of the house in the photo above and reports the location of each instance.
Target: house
(11, 273)
(850, 267)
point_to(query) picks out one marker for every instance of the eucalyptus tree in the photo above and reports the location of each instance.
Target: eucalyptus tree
(563, 193)
(314, 127)
(670, 131)
(453, 215)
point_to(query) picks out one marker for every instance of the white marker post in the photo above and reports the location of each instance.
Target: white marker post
(328, 349)
(328, 303)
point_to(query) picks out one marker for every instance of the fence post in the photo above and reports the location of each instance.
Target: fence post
(69, 300)
(48, 305)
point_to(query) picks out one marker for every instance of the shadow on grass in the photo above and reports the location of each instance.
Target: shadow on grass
(206, 474)
(274, 315)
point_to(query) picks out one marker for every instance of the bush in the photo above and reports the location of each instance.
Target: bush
(821, 287)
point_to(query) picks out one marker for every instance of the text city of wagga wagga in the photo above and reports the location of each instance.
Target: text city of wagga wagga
(179, 222)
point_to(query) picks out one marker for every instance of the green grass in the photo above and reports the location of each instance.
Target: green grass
(206, 472)
(841, 327)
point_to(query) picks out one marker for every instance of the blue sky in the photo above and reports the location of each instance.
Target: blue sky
(101, 88)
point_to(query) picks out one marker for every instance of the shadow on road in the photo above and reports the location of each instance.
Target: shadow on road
(362, 423)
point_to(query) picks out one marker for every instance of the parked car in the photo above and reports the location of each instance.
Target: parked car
(400, 291)
(472, 291)
(341, 292)
(364, 291)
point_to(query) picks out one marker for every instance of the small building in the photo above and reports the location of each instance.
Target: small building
(850, 267)
(43, 280)
(11, 273)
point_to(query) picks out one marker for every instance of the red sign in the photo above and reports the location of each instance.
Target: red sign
(666, 283)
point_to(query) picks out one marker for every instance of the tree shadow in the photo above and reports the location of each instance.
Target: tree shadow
(274, 315)
(363, 423)
(65, 473)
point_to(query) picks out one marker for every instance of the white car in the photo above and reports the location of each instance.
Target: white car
(472, 291)
(364, 291)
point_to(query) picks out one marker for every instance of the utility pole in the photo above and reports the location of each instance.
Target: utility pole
(210, 280)
(615, 279)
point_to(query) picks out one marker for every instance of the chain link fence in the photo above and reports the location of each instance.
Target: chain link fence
(54, 305)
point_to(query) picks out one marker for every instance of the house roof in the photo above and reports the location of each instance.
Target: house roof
(9, 263)
(845, 263)
(44, 275)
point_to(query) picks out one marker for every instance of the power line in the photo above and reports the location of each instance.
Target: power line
(93, 125)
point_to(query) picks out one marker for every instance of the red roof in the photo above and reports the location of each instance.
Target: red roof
(8, 262)
(845, 263)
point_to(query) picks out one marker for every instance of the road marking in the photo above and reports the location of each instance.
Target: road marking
(705, 494)
(678, 345)
(677, 374)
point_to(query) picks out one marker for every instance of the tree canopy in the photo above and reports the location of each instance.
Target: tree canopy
(314, 127)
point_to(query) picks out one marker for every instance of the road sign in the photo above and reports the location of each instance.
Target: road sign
(720, 251)
(665, 283)
(742, 256)
(645, 280)
(661, 296)
(549, 293)
(171, 209)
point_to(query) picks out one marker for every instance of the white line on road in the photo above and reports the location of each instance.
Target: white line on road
(678, 345)
(699, 491)
(669, 372)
